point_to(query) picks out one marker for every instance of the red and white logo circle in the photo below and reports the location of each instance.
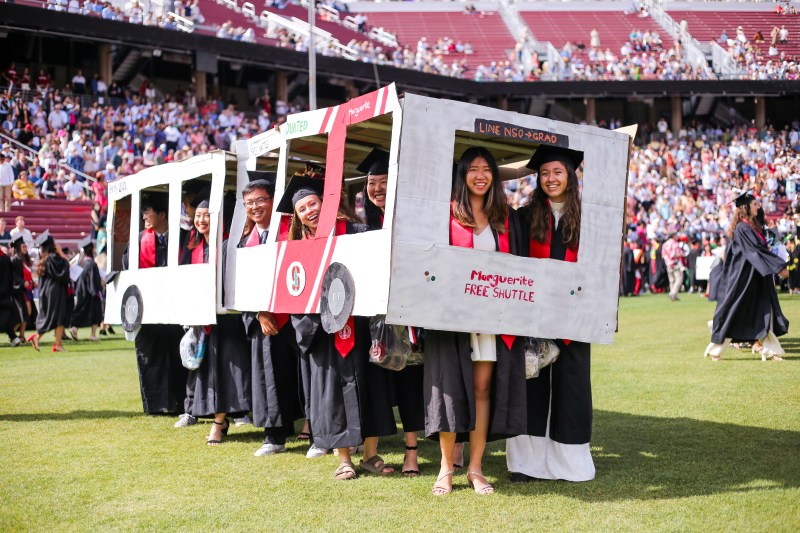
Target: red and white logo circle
(345, 332)
(295, 278)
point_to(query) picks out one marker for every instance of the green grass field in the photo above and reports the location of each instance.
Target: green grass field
(680, 444)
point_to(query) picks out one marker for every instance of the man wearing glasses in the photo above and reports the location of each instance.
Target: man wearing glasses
(276, 399)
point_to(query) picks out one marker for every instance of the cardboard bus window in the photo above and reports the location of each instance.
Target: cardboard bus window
(193, 192)
(154, 226)
(121, 231)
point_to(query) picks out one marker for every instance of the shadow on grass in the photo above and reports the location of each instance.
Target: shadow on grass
(643, 457)
(72, 415)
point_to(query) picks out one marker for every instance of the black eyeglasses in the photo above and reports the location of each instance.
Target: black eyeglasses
(258, 202)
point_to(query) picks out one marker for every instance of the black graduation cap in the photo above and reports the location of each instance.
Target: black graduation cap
(85, 242)
(298, 188)
(16, 243)
(195, 186)
(376, 163)
(546, 153)
(264, 178)
(43, 238)
(744, 199)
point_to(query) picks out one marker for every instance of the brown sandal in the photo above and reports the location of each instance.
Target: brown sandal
(440, 490)
(345, 471)
(376, 465)
(484, 490)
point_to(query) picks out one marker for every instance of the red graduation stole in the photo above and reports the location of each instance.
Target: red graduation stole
(463, 238)
(541, 250)
(345, 339)
(147, 249)
(198, 257)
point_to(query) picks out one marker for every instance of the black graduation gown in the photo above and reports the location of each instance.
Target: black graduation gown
(222, 383)
(402, 388)
(88, 310)
(716, 283)
(794, 273)
(53, 305)
(276, 388)
(748, 307)
(628, 272)
(448, 387)
(162, 376)
(562, 392)
(18, 292)
(660, 278)
(9, 315)
(342, 405)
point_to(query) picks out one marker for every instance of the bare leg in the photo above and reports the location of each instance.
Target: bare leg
(59, 332)
(482, 382)
(410, 461)
(217, 427)
(94, 333)
(444, 481)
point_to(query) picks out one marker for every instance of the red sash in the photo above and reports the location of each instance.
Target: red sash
(345, 339)
(463, 238)
(147, 249)
(198, 257)
(541, 250)
(283, 227)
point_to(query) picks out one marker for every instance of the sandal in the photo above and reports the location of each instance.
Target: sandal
(767, 354)
(441, 490)
(376, 465)
(304, 435)
(484, 490)
(225, 426)
(73, 332)
(345, 471)
(34, 340)
(410, 472)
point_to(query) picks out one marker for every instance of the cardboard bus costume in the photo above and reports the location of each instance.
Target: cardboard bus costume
(407, 270)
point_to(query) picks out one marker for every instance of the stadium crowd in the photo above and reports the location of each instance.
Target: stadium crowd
(642, 57)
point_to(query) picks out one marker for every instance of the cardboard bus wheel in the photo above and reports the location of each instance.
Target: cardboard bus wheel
(337, 298)
(132, 309)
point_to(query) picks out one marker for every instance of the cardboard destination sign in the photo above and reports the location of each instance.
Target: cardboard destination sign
(510, 131)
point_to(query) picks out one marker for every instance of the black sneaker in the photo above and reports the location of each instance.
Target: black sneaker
(517, 477)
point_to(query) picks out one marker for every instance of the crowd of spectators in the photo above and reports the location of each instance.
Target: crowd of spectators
(134, 12)
(685, 182)
(750, 56)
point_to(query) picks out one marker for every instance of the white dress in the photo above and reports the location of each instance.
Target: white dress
(484, 346)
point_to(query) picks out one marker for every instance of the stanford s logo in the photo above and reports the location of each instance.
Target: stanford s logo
(295, 278)
(345, 332)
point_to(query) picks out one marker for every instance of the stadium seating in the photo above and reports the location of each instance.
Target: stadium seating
(67, 221)
(708, 26)
(488, 34)
(613, 27)
(218, 14)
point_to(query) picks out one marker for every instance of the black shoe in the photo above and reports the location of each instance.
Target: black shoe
(111, 330)
(516, 477)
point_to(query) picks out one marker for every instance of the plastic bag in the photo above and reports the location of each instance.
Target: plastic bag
(390, 346)
(193, 347)
(539, 353)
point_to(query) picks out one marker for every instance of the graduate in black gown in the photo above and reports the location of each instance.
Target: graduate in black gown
(162, 376)
(88, 310)
(559, 417)
(340, 409)
(23, 283)
(793, 265)
(53, 272)
(10, 314)
(748, 307)
(405, 386)
(276, 390)
(475, 383)
(221, 385)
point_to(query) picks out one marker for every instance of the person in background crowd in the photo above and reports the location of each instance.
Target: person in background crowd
(21, 230)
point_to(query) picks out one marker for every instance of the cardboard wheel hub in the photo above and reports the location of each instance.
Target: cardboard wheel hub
(337, 298)
(132, 308)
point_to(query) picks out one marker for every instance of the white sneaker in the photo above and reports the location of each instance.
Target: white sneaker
(269, 449)
(314, 452)
(16, 342)
(243, 421)
(185, 420)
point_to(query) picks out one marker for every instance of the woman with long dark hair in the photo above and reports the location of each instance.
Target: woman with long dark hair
(474, 383)
(341, 411)
(406, 385)
(747, 303)
(54, 309)
(559, 418)
(221, 385)
(23, 285)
